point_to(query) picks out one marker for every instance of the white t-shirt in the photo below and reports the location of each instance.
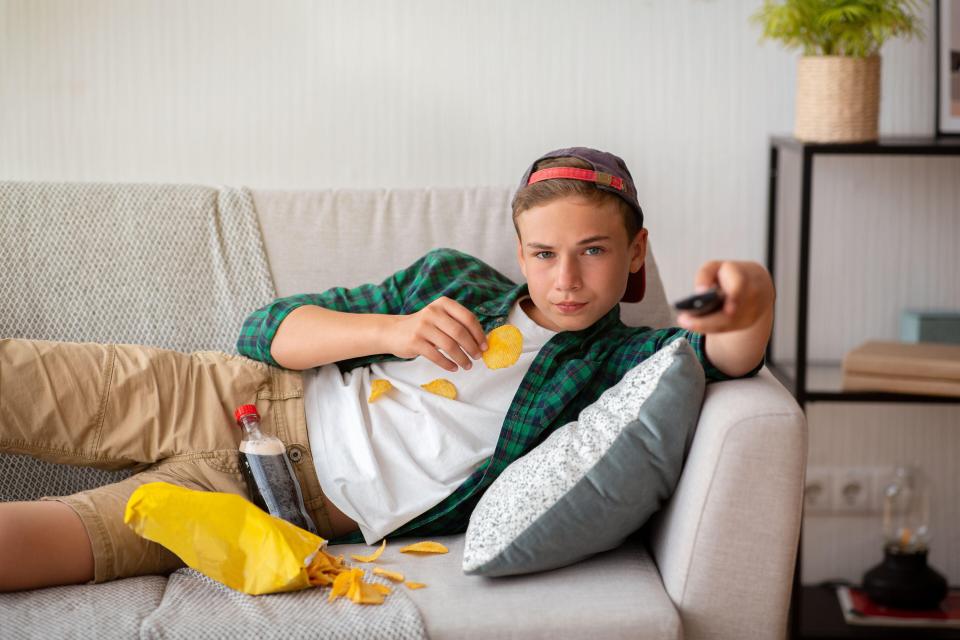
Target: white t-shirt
(386, 462)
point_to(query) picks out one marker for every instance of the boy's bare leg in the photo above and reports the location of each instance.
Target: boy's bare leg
(42, 544)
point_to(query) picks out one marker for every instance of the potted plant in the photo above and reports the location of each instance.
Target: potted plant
(838, 75)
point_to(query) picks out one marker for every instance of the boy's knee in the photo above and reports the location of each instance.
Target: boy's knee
(11, 535)
(42, 544)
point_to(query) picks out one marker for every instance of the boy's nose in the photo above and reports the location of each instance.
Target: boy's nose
(568, 276)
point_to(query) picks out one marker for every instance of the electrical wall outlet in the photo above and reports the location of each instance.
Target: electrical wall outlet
(845, 490)
(853, 490)
(818, 491)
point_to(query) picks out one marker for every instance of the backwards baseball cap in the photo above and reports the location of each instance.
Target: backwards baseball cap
(609, 174)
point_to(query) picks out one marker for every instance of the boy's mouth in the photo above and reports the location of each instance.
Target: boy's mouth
(568, 307)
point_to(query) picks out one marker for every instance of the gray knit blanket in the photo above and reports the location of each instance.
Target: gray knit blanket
(172, 266)
(191, 606)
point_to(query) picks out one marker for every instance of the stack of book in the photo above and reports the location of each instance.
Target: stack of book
(927, 368)
(859, 609)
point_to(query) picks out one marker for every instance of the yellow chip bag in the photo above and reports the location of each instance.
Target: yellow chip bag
(389, 575)
(424, 547)
(441, 387)
(504, 345)
(371, 557)
(378, 388)
(225, 537)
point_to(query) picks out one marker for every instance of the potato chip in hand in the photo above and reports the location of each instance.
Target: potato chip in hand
(504, 345)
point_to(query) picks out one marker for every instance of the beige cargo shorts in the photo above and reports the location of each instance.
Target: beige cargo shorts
(165, 414)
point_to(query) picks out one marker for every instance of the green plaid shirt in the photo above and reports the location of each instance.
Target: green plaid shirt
(570, 371)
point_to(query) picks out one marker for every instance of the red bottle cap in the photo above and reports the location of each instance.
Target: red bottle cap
(245, 410)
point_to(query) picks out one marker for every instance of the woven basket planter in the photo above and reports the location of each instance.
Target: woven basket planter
(838, 99)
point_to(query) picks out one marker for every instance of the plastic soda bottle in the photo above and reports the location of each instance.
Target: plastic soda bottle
(270, 479)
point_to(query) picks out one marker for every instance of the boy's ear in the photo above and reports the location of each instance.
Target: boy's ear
(638, 249)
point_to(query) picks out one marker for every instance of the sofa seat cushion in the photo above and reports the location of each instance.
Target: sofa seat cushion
(615, 594)
(109, 610)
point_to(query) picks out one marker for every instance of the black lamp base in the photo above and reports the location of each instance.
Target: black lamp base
(905, 581)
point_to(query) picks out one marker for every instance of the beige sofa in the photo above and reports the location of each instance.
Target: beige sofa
(716, 563)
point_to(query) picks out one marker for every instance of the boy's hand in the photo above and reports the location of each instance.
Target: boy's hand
(749, 292)
(443, 324)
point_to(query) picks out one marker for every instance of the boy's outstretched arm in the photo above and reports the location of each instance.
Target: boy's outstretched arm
(739, 332)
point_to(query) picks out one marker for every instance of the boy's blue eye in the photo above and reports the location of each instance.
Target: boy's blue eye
(541, 254)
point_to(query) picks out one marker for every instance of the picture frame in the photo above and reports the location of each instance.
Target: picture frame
(947, 21)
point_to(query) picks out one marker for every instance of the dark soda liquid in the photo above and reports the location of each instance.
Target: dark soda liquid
(274, 489)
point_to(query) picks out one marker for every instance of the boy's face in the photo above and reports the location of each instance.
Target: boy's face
(574, 251)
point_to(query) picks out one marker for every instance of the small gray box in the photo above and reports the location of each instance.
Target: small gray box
(930, 326)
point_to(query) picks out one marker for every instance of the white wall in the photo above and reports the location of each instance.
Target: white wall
(298, 94)
(380, 93)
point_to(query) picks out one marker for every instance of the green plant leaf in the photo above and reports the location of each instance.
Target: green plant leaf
(838, 27)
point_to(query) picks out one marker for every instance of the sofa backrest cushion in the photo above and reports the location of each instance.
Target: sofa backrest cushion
(317, 239)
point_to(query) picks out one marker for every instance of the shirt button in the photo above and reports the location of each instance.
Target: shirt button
(295, 453)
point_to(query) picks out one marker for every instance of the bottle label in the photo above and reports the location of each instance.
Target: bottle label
(265, 447)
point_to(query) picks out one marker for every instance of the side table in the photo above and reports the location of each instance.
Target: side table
(821, 618)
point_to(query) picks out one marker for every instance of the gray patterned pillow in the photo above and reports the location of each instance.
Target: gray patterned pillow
(594, 481)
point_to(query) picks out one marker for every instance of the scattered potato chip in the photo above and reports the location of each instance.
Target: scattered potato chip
(324, 569)
(324, 562)
(389, 575)
(414, 585)
(424, 547)
(370, 593)
(351, 585)
(340, 585)
(371, 557)
(355, 585)
(441, 387)
(378, 388)
(320, 579)
(504, 345)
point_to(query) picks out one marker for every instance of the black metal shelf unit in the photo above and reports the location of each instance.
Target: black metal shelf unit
(797, 381)
(794, 375)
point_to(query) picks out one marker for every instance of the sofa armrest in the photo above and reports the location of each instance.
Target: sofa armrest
(726, 542)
